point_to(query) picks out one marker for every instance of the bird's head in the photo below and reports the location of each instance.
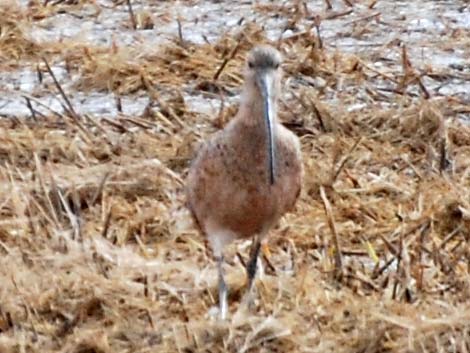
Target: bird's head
(262, 85)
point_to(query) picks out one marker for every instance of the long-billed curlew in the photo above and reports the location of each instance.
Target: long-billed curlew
(249, 174)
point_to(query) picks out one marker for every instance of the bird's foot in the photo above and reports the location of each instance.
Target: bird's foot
(218, 313)
(249, 298)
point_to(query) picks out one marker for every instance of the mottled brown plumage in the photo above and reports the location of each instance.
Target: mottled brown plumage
(248, 175)
(228, 182)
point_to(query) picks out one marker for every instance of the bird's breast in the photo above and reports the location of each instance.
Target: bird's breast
(231, 184)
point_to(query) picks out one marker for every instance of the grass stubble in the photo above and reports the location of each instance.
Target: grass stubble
(99, 253)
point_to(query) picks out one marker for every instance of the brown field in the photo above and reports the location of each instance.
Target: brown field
(98, 253)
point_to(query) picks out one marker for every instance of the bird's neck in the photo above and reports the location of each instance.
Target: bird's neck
(252, 111)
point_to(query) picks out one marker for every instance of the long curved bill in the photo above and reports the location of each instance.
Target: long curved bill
(265, 82)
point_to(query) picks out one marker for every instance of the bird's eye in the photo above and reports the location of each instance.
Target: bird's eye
(276, 66)
(250, 64)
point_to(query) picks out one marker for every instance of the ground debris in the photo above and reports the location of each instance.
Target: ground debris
(98, 252)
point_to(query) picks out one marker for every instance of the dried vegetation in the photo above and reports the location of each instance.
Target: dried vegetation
(99, 254)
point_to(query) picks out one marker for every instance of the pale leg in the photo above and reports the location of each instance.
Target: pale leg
(218, 239)
(223, 306)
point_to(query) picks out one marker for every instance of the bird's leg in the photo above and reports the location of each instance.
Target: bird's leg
(253, 261)
(251, 267)
(223, 306)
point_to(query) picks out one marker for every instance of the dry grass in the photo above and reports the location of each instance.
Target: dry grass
(99, 254)
(14, 40)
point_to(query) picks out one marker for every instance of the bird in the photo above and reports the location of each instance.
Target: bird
(246, 176)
